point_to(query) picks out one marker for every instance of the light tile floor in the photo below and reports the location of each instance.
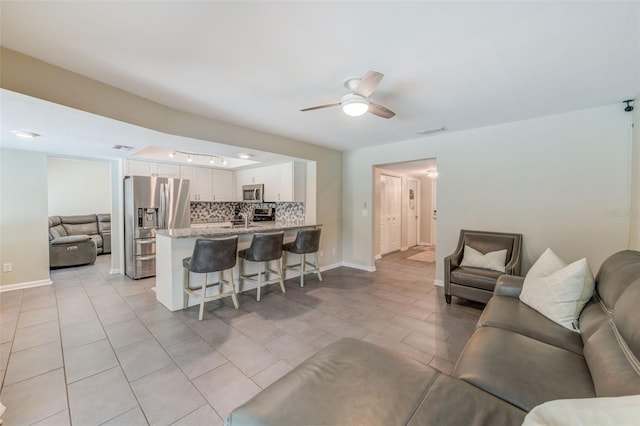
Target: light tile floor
(99, 349)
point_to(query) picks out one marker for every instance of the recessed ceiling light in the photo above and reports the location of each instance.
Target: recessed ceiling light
(244, 155)
(24, 134)
(189, 158)
(211, 161)
(173, 154)
(431, 131)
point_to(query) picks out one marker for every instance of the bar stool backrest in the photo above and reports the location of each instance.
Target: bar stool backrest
(307, 241)
(265, 247)
(214, 255)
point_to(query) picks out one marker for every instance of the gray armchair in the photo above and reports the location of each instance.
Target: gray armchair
(476, 283)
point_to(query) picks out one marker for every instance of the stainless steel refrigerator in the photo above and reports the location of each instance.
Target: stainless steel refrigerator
(151, 203)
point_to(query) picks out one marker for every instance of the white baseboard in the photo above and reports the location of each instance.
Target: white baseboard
(361, 267)
(404, 248)
(378, 257)
(21, 286)
(425, 244)
(331, 266)
(439, 283)
(114, 271)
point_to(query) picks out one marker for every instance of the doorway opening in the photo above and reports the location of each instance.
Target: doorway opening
(405, 209)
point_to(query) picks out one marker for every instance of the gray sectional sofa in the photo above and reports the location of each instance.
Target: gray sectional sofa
(76, 240)
(516, 359)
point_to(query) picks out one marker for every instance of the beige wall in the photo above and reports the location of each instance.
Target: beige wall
(78, 187)
(29, 76)
(558, 180)
(24, 238)
(426, 210)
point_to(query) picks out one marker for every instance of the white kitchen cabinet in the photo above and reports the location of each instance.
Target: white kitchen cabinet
(200, 185)
(285, 182)
(248, 177)
(222, 185)
(149, 168)
(167, 170)
(139, 168)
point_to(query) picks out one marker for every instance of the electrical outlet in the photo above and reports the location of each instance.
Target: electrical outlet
(7, 267)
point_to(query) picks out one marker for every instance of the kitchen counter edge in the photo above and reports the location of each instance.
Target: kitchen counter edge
(213, 231)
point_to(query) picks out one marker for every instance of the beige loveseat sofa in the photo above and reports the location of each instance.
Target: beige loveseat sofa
(76, 240)
(516, 359)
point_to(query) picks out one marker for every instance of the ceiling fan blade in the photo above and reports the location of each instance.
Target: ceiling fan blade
(380, 111)
(368, 83)
(320, 107)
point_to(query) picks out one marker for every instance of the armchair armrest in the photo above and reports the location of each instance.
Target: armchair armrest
(71, 239)
(513, 266)
(508, 285)
(106, 242)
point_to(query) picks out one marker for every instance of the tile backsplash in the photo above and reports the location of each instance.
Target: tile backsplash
(204, 212)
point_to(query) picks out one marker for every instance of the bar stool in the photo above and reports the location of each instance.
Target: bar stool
(214, 255)
(307, 242)
(265, 247)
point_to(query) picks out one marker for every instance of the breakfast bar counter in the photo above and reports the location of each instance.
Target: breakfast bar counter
(173, 245)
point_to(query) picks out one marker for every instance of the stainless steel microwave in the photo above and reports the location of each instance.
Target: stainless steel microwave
(253, 193)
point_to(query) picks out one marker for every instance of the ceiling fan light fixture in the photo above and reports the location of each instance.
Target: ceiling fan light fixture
(354, 105)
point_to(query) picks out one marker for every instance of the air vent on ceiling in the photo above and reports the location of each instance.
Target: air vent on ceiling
(123, 147)
(432, 131)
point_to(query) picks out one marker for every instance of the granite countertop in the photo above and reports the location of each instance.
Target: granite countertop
(218, 230)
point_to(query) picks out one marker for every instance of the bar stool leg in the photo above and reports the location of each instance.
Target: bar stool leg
(259, 279)
(317, 267)
(202, 297)
(280, 269)
(234, 297)
(303, 261)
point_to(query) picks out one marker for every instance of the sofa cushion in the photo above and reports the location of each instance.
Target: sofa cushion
(611, 350)
(451, 401)
(55, 228)
(475, 277)
(328, 389)
(97, 239)
(625, 316)
(510, 313)
(558, 291)
(87, 228)
(104, 222)
(616, 273)
(623, 410)
(523, 371)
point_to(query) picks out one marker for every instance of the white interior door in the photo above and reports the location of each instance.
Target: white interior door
(390, 219)
(412, 215)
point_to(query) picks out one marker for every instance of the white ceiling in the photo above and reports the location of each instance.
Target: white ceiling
(70, 132)
(456, 64)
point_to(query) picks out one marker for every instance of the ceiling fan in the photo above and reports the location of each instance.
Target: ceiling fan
(357, 102)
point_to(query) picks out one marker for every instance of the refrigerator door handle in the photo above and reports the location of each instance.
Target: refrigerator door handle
(163, 207)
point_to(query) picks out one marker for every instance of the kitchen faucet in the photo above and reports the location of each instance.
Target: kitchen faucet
(246, 219)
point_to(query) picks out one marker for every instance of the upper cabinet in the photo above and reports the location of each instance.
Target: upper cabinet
(148, 168)
(282, 182)
(209, 184)
(222, 184)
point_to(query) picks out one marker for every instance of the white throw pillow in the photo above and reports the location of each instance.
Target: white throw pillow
(557, 290)
(621, 410)
(494, 260)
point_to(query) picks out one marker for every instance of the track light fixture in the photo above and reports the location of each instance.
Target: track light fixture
(191, 155)
(629, 106)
